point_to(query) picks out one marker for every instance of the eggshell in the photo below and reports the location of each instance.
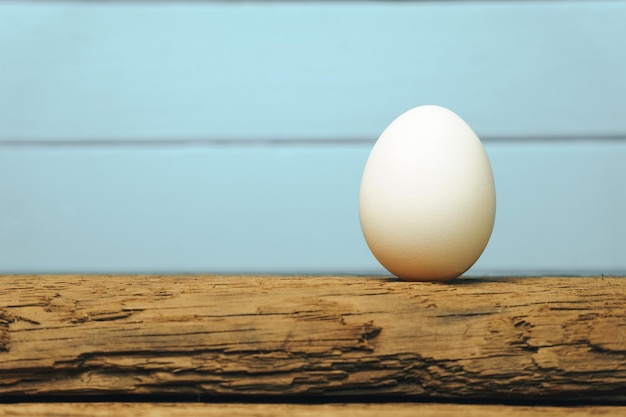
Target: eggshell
(427, 201)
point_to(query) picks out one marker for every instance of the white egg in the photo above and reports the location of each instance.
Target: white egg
(427, 201)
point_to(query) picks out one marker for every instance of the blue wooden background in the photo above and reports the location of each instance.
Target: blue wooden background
(230, 137)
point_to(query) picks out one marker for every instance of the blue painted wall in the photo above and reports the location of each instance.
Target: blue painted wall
(230, 137)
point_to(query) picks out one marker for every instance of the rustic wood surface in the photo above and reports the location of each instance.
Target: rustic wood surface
(299, 410)
(512, 339)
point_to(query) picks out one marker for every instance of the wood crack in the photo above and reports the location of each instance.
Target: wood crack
(314, 336)
(5, 336)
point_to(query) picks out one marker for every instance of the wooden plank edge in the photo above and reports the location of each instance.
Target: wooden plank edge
(297, 410)
(532, 340)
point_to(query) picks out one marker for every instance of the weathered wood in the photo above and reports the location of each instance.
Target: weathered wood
(298, 410)
(527, 339)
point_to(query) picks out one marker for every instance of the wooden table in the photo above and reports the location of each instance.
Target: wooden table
(311, 345)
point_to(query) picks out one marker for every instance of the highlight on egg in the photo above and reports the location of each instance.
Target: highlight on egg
(427, 200)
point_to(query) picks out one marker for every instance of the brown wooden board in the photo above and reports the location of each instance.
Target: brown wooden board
(533, 340)
(299, 410)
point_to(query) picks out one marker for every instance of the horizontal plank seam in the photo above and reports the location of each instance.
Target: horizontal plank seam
(242, 142)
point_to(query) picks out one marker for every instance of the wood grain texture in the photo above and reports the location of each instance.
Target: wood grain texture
(518, 339)
(298, 410)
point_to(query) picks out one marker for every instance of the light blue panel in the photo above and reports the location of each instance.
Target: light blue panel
(195, 70)
(560, 209)
(231, 210)
(287, 210)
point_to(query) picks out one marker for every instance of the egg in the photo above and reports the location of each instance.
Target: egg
(427, 201)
